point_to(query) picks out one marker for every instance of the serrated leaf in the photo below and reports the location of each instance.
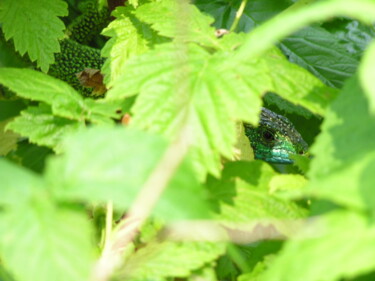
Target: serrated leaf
(42, 127)
(250, 203)
(294, 83)
(34, 85)
(60, 251)
(35, 27)
(8, 139)
(129, 37)
(243, 195)
(102, 111)
(344, 152)
(327, 249)
(284, 24)
(17, 184)
(117, 162)
(213, 100)
(255, 12)
(178, 19)
(352, 34)
(322, 54)
(170, 259)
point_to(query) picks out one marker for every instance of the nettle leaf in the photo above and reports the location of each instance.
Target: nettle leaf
(170, 259)
(213, 100)
(255, 12)
(35, 27)
(284, 24)
(41, 127)
(338, 246)
(117, 162)
(17, 184)
(59, 249)
(165, 17)
(34, 85)
(129, 37)
(294, 83)
(344, 153)
(321, 53)
(353, 35)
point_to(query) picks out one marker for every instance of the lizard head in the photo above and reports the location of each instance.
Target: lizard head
(275, 139)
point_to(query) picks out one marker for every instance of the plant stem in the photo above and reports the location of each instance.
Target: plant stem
(238, 15)
(141, 208)
(108, 225)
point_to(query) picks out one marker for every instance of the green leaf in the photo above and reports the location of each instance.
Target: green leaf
(321, 53)
(353, 35)
(34, 27)
(179, 20)
(117, 162)
(102, 111)
(290, 21)
(287, 183)
(170, 259)
(244, 195)
(133, 2)
(8, 56)
(41, 127)
(8, 139)
(344, 153)
(256, 12)
(365, 71)
(10, 108)
(60, 250)
(34, 85)
(30, 156)
(213, 100)
(260, 267)
(327, 249)
(294, 83)
(129, 37)
(17, 184)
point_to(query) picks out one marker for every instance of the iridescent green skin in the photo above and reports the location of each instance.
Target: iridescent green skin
(275, 139)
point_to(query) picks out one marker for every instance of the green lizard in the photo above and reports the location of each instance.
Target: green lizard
(275, 139)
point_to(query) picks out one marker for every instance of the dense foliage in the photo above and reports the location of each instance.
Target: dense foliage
(154, 179)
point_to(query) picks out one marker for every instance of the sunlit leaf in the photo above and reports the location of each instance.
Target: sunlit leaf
(35, 27)
(117, 162)
(34, 85)
(129, 37)
(41, 127)
(170, 259)
(336, 246)
(60, 250)
(344, 152)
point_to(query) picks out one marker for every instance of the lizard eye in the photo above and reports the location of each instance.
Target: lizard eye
(268, 135)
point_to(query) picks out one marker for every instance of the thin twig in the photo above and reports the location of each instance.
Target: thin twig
(141, 208)
(238, 15)
(108, 225)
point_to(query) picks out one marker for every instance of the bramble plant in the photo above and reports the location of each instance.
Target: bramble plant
(123, 155)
